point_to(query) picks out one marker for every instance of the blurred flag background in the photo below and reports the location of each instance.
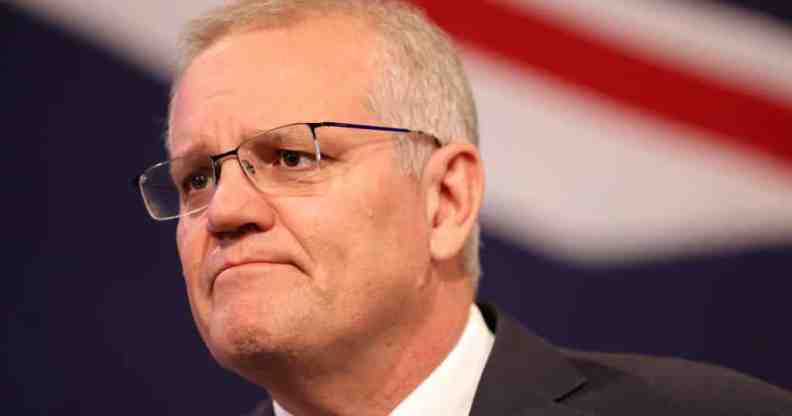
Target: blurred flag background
(639, 160)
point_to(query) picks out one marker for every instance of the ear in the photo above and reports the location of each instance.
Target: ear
(454, 183)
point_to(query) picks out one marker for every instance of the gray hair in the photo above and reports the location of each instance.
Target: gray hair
(422, 85)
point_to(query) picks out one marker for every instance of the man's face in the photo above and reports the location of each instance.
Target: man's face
(320, 271)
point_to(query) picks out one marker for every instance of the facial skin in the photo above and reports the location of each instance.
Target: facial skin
(317, 280)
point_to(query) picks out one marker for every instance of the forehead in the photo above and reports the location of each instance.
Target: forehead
(320, 68)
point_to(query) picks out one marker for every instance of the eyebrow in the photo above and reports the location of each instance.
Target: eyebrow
(199, 147)
(192, 149)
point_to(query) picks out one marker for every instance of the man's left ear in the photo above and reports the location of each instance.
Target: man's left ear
(454, 183)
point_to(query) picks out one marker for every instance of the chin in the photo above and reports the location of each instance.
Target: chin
(240, 345)
(248, 335)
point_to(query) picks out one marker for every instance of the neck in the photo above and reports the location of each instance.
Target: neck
(372, 379)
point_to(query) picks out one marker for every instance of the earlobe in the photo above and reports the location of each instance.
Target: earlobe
(455, 183)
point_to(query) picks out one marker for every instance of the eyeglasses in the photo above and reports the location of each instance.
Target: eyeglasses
(286, 160)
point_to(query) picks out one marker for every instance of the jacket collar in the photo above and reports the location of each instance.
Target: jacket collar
(524, 375)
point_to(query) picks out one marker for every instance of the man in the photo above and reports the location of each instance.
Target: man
(326, 180)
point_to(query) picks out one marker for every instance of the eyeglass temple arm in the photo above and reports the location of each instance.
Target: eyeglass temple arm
(375, 128)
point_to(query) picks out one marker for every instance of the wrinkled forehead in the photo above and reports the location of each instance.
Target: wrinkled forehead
(314, 70)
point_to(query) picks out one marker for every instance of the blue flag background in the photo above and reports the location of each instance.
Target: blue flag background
(96, 314)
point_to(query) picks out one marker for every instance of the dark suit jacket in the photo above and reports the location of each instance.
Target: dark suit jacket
(526, 376)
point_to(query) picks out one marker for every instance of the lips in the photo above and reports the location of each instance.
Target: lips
(245, 263)
(222, 260)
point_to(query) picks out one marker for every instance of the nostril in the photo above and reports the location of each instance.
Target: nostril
(239, 232)
(248, 228)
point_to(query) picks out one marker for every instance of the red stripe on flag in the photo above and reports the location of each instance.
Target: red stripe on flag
(739, 117)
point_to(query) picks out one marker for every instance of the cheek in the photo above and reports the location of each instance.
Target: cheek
(367, 230)
(187, 244)
(191, 246)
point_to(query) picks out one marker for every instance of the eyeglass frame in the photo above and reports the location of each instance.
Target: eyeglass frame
(137, 181)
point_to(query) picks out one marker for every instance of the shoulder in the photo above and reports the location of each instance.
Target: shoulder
(682, 385)
(525, 371)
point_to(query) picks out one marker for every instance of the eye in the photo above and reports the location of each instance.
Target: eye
(195, 182)
(294, 159)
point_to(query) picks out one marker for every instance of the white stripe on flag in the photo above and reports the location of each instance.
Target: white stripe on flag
(725, 43)
(589, 180)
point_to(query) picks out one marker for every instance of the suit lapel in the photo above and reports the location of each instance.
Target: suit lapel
(524, 375)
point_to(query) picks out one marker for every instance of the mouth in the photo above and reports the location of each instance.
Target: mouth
(237, 265)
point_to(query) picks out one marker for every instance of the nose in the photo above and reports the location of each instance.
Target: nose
(237, 207)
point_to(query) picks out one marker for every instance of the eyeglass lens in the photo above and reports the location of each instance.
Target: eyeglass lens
(283, 161)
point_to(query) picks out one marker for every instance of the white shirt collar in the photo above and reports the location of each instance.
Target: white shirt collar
(450, 388)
